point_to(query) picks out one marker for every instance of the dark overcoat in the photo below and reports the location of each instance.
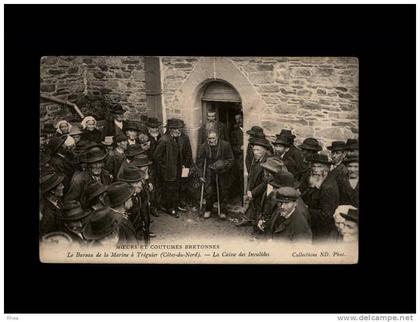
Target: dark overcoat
(294, 229)
(185, 150)
(79, 182)
(50, 214)
(294, 162)
(113, 162)
(94, 136)
(110, 129)
(237, 141)
(63, 166)
(348, 195)
(168, 159)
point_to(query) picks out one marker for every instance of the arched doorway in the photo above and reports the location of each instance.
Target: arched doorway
(225, 100)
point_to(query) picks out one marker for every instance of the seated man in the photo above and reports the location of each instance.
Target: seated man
(347, 223)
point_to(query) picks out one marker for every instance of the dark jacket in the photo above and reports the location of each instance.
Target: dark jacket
(154, 142)
(50, 213)
(113, 162)
(221, 129)
(256, 183)
(322, 204)
(63, 166)
(249, 158)
(94, 136)
(293, 229)
(126, 231)
(80, 181)
(237, 141)
(294, 162)
(168, 159)
(348, 195)
(224, 152)
(185, 150)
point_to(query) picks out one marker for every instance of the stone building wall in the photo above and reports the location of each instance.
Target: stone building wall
(93, 83)
(313, 96)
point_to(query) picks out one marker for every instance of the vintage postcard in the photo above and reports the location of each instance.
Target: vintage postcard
(199, 160)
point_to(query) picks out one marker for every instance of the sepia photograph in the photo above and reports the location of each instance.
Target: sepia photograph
(199, 160)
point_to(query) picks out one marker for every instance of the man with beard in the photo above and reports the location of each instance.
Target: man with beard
(120, 196)
(288, 222)
(308, 148)
(349, 186)
(168, 163)
(212, 125)
(130, 129)
(153, 125)
(117, 155)
(322, 199)
(139, 214)
(237, 143)
(217, 155)
(254, 132)
(256, 184)
(73, 220)
(51, 202)
(60, 160)
(94, 171)
(352, 147)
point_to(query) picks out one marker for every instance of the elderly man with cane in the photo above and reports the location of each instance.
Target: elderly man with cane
(215, 159)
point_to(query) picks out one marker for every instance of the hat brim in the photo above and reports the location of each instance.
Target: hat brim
(130, 180)
(54, 184)
(98, 192)
(174, 127)
(96, 159)
(90, 235)
(152, 125)
(351, 218)
(134, 154)
(126, 197)
(269, 168)
(142, 165)
(286, 199)
(287, 144)
(332, 149)
(83, 214)
(296, 184)
(62, 138)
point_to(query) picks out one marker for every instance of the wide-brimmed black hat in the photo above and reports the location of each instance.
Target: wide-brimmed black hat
(72, 211)
(352, 215)
(286, 194)
(117, 109)
(130, 173)
(272, 165)
(133, 150)
(153, 122)
(256, 131)
(141, 160)
(352, 145)
(55, 142)
(310, 144)
(174, 124)
(261, 142)
(351, 158)
(284, 179)
(120, 137)
(100, 224)
(93, 154)
(93, 190)
(287, 133)
(282, 140)
(119, 192)
(130, 125)
(49, 181)
(337, 146)
(320, 158)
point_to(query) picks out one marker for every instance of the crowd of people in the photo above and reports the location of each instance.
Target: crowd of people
(101, 186)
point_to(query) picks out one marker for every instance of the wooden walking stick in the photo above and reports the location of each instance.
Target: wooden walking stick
(218, 196)
(202, 185)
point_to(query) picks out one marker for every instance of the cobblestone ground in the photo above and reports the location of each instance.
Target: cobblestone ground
(190, 224)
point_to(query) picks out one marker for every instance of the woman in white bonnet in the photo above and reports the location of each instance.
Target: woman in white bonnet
(63, 127)
(90, 131)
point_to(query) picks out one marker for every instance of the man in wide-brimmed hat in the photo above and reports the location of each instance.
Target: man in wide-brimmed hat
(352, 147)
(347, 223)
(288, 221)
(212, 124)
(338, 153)
(322, 198)
(131, 130)
(292, 156)
(349, 186)
(72, 220)
(308, 148)
(254, 132)
(94, 158)
(130, 153)
(168, 164)
(139, 214)
(217, 155)
(153, 126)
(60, 159)
(120, 197)
(256, 184)
(117, 155)
(94, 196)
(51, 189)
(114, 124)
(102, 228)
